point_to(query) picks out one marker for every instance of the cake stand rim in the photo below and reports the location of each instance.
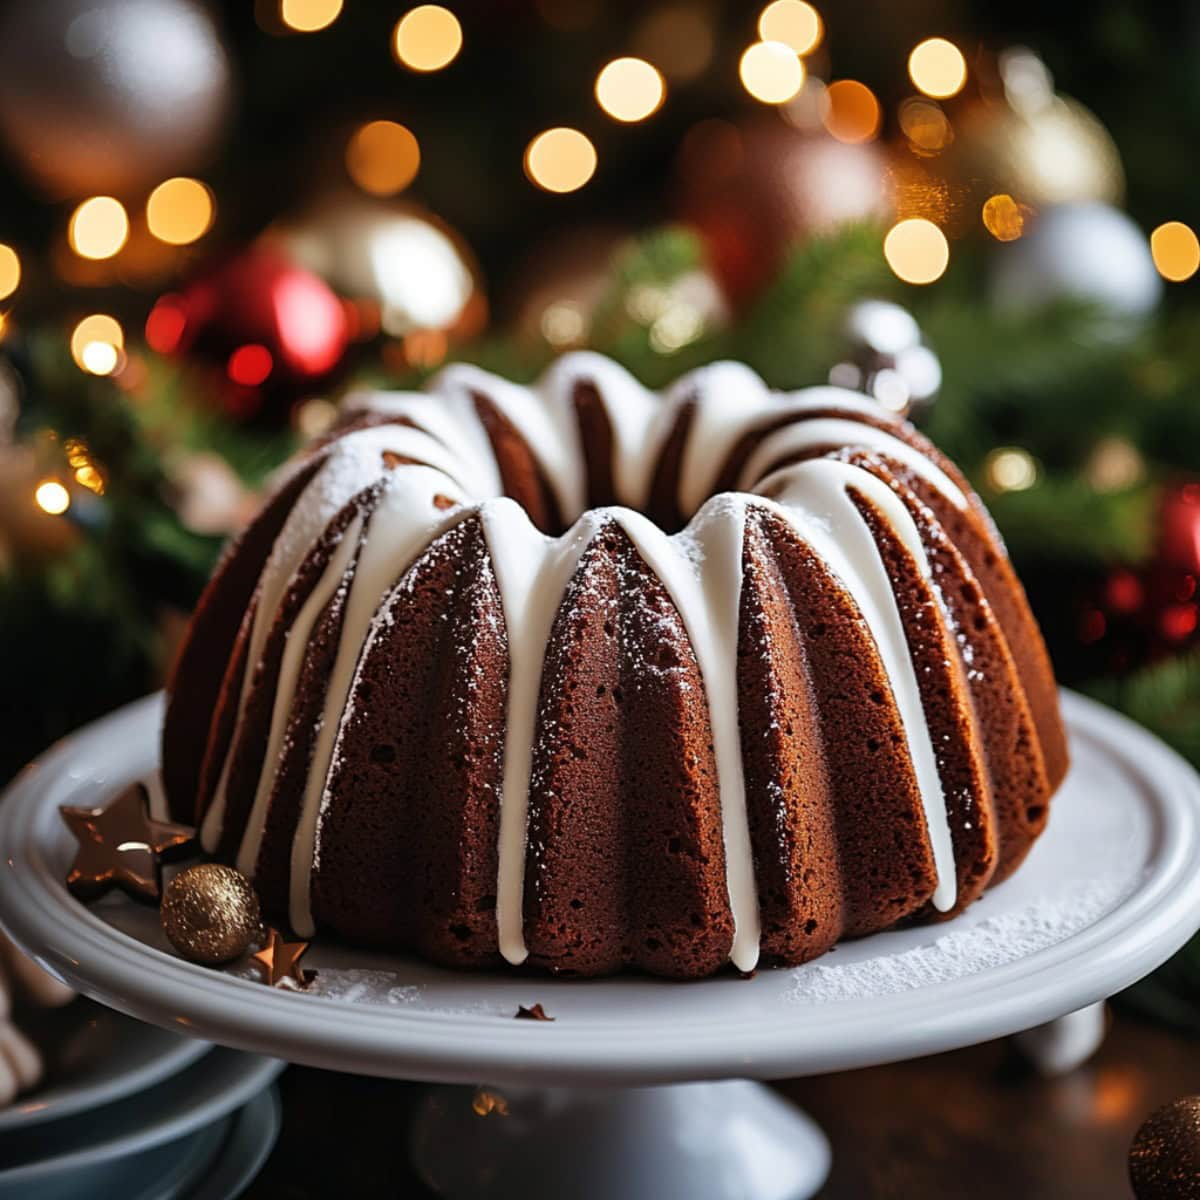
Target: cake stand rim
(1115, 950)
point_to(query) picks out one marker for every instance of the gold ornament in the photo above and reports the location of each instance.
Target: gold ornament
(1039, 147)
(210, 913)
(122, 846)
(1164, 1161)
(280, 961)
(405, 268)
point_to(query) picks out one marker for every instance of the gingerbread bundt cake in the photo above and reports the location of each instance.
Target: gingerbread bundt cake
(584, 678)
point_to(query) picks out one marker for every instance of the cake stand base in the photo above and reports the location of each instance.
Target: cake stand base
(734, 1140)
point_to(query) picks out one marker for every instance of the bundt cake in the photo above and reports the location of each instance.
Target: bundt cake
(585, 678)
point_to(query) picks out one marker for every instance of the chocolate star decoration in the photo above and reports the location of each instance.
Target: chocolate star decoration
(122, 846)
(280, 960)
(535, 1012)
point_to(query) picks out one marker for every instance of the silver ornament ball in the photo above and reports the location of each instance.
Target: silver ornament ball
(1089, 252)
(110, 95)
(885, 357)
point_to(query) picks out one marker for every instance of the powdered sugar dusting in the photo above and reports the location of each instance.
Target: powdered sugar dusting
(988, 943)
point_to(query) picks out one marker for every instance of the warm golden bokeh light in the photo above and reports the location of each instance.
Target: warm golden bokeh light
(630, 89)
(99, 358)
(925, 125)
(560, 160)
(427, 38)
(937, 68)
(10, 271)
(1003, 218)
(180, 211)
(383, 158)
(916, 250)
(792, 22)
(90, 478)
(852, 113)
(1176, 251)
(307, 16)
(51, 497)
(771, 72)
(1010, 469)
(99, 228)
(96, 344)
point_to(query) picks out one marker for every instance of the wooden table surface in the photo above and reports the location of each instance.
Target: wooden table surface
(972, 1123)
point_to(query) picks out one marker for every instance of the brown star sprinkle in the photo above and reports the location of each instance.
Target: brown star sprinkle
(121, 845)
(535, 1012)
(280, 960)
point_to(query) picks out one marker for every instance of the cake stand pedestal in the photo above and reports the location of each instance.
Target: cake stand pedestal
(628, 1091)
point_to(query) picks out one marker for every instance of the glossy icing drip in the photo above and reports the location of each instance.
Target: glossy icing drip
(806, 434)
(532, 572)
(404, 522)
(815, 501)
(295, 649)
(352, 464)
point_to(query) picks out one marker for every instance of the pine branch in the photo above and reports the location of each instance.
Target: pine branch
(791, 334)
(1063, 517)
(1164, 697)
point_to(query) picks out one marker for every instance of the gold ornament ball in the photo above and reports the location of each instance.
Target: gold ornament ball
(1164, 1161)
(210, 913)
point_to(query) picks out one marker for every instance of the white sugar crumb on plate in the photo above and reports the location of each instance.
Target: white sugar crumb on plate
(986, 945)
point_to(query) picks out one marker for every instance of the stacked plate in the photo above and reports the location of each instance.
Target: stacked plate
(134, 1111)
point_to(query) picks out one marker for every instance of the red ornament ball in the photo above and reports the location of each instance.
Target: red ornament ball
(757, 188)
(269, 329)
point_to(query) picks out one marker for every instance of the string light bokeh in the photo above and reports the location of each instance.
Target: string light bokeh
(560, 159)
(916, 250)
(792, 22)
(309, 16)
(10, 271)
(852, 111)
(96, 344)
(771, 72)
(180, 211)
(383, 157)
(630, 89)
(1176, 251)
(52, 497)
(427, 38)
(99, 227)
(937, 68)
(1003, 218)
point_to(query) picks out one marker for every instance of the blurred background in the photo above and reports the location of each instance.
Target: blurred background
(216, 218)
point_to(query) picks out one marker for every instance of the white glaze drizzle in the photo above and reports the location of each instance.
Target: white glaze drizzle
(295, 648)
(353, 463)
(450, 417)
(701, 570)
(815, 501)
(532, 572)
(802, 435)
(638, 418)
(402, 524)
(548, 429)
(731, 400)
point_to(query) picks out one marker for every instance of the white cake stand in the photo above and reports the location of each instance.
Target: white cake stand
(606, 1100)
